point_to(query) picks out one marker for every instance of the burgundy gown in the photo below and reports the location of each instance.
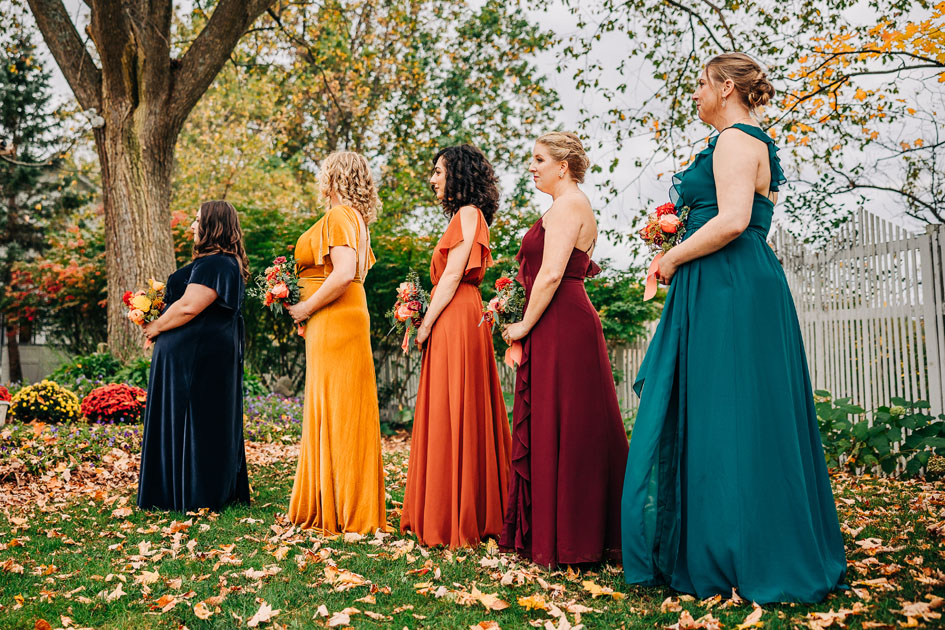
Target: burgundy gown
(569, 447)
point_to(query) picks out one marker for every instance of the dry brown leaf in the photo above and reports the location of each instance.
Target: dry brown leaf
(121, 512)
(686, 622)
(42, 624)
(491, 601)
(264, 614)
(339, 619)
(486, 625)
(913, 611)
(377, 616)
(201, 611)
(670, 604)
(753, 619)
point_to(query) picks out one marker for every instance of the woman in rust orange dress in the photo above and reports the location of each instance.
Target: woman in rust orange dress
(339, 484)
(457, 479)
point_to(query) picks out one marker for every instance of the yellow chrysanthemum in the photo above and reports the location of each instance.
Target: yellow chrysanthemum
(141, 302)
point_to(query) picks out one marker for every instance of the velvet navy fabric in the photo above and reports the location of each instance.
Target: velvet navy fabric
(192, 454)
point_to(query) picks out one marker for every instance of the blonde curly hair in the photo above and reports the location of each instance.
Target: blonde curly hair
(348, 175)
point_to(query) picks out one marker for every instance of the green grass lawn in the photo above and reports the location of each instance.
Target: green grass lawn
(75, 552)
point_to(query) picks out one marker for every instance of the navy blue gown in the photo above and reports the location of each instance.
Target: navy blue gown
(192, 455)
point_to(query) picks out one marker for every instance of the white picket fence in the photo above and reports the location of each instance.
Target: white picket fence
(871, 307)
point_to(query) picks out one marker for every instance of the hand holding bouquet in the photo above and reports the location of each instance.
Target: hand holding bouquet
(407, 313)
(664, 229)
(506, 307)
(145, 306)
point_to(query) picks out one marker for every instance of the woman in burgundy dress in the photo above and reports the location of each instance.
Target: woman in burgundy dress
(569, 448)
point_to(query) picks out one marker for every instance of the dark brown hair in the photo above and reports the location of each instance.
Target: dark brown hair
(751, 83)
(470, 181)
(219, 233)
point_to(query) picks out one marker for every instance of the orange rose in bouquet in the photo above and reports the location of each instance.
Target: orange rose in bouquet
(406, 314)
(506, 307)
(664, 229)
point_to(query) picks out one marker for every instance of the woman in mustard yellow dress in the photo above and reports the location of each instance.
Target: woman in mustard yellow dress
(339, 484)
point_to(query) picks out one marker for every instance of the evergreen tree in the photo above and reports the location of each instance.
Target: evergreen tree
(32, 193)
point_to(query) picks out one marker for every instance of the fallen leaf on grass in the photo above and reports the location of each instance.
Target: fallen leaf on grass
(596, 590)
(913, 611)
(753, 619)
(670, 604)
(377, 616)
(533, 602)
(121, 512)
(490, 600)
(339, 619)
(821, 620)
(147, 577)
(486, 625)
(264, 614)
(201, 611)
(42, 624)
(686, 622)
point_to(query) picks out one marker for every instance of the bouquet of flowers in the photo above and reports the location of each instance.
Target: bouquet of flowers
(145, 306)
(407, 312)
(506, 307)
(664, 229)
(278, 285)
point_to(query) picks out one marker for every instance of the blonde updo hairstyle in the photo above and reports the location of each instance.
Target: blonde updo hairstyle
(348, 175)
(751, 84)
(565, 146)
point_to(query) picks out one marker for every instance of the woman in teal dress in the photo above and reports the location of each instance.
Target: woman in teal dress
(726, 484)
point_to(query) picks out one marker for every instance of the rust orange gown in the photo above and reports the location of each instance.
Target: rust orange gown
(339, 483)
(458, 476)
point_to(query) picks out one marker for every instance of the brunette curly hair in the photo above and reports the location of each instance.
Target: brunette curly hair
(470, 181)
(219, 232)
(348, 175)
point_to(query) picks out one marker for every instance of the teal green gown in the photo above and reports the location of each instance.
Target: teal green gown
(726, 483)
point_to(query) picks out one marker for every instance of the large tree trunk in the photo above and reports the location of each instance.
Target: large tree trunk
(136, 185)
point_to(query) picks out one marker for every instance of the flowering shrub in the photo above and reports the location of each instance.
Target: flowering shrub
(272, 418)
(46, 402)
(5, 394)
(115, 402)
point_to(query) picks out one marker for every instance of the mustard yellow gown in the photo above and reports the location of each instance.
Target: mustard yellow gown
(339, 483)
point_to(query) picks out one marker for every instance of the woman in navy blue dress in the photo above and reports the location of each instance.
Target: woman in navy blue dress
(192, 455)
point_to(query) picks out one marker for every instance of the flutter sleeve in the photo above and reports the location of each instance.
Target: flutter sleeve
(481, 253)
(339, 228)
(221, 273)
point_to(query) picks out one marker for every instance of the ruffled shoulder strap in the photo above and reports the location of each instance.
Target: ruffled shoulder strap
(481, 253)
(221, 273)
(774, 162)
(340, 227)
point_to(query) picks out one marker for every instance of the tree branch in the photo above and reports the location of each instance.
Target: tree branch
(718, 11)
(206, 56)
(701, 21)
(70, 53)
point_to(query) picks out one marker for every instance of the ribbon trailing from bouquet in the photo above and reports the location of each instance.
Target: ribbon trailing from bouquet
(651, 280)
(406, 344)
(513, 355)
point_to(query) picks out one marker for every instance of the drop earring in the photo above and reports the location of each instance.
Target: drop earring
(723, 101)
(561, 174)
